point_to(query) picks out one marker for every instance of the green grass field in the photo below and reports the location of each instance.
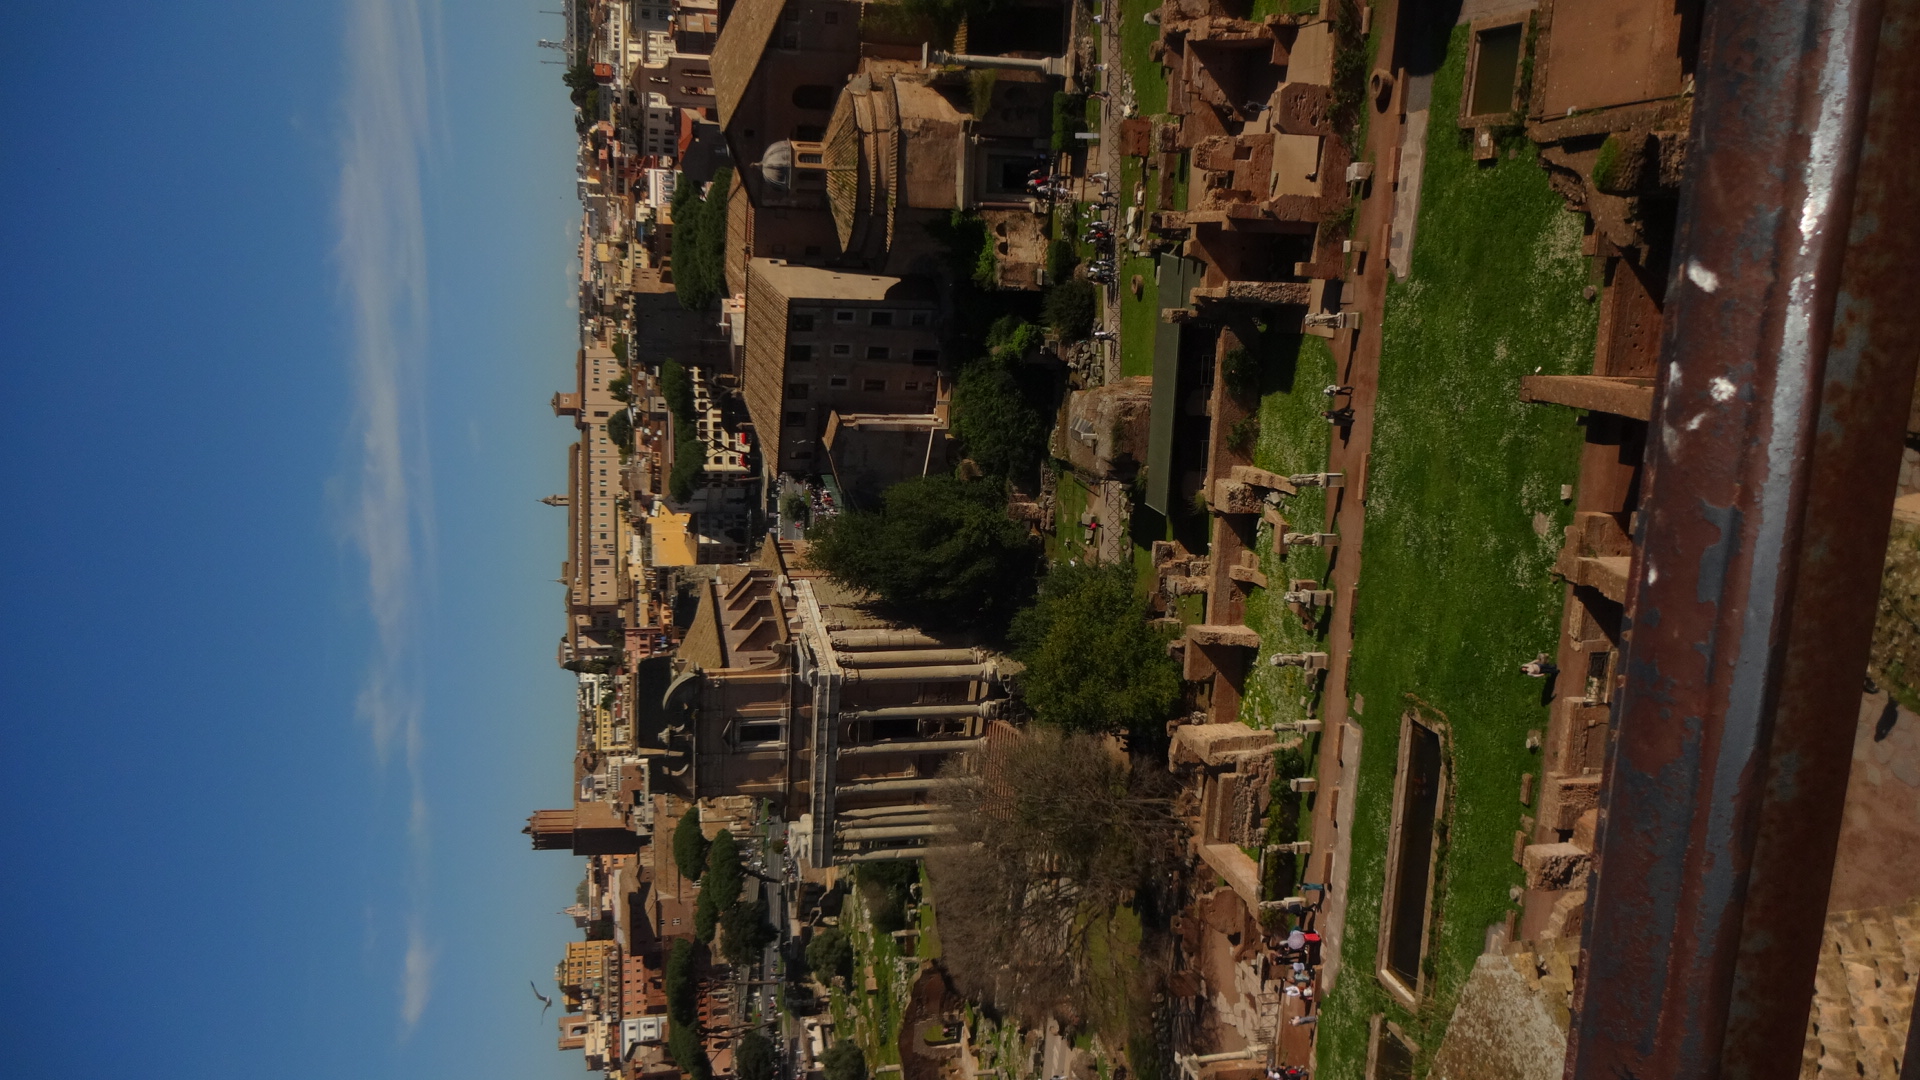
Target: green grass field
(1293, 439)
(1136, 39)
(1463, 523)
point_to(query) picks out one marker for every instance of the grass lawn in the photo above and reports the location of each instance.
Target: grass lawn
(1293, 439)
(1455, 588)
(1069, 502)
(1139, 315)
(1136, 39)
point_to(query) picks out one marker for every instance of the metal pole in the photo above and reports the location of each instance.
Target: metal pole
(1773, 451)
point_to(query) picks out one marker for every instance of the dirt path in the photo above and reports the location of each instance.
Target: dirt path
(1357, 358)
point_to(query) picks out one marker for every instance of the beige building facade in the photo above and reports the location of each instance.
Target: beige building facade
(820, 341)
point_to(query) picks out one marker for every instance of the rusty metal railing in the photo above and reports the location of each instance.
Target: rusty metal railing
(1787, 373)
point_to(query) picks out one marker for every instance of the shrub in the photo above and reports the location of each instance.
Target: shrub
(980, 83)
(1069, 119)
(1070, 308)
(830, 954)
(1241, 372)
(1061, 259)
(690, 845)
(1244, 433)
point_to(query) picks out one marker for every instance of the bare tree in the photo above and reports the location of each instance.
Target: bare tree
(1052, 832)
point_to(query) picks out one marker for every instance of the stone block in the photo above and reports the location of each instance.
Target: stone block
(1555, 866)
(1564, 921)
(1213, 634)
(1272, 481)
(1235, 497)
(1564, 798)
(1585, 830)
(1247, 575)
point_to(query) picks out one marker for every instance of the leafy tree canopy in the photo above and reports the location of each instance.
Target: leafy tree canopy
(753, 1057)
(1000, 414)
(746, 931)
(940, 546)
(683, 1007)
(1094, 663)
(700, 242)
(1070, 308)
(830, 954)
(844, 1061)
(690, 845)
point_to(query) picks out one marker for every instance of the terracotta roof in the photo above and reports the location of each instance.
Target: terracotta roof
(703, 646)
(736, 56)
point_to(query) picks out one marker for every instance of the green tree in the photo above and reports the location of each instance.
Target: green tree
(1070, 308)
(620, 429)
(700, 242)
(746, 931)
(940, 547)
(683, 1006)
(683, 1042)
(689, 452)
(830, 954)
(999, 416)
(690, 845)
(753, 1057)
(706, 916)
(1094, 663)
(844, 1061)
(723, 875)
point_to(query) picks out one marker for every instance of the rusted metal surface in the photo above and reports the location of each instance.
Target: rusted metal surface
(1775, 443)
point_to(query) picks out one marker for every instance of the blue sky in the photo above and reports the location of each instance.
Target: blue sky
(285, 293)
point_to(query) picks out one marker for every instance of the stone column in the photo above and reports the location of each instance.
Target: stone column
(906, 657)
(882, 639)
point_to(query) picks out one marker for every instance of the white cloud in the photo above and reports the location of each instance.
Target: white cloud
(383, 268)
(416, 979)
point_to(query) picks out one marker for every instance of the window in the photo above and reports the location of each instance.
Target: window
(926, 356)
(873, 384)
(842, 349)
(831, 18)
(809, 159)
(796, 419)
(602, 412)
(813, 251)
(814, 96)
(809, 133)
(799, 354)
(843, 316)
(909, 386)
(880, 318)
(759, 733)
(801, 323)
(919, 318)
(797, 391)
(876, 352)
(837, 381)
(602, 562)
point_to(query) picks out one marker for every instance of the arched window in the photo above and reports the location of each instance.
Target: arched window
(813, 96)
